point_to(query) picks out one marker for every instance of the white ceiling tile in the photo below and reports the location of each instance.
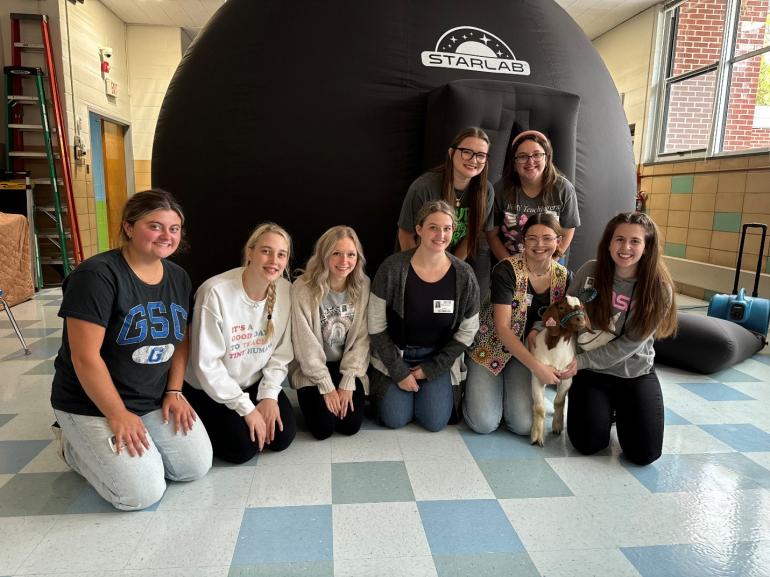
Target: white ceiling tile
(177, 13)
(594, 16)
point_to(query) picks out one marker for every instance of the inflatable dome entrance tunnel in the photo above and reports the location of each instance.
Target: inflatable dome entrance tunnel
(318, 113)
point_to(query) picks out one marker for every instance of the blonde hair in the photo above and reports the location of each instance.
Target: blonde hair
(316, 275)
(262, 229)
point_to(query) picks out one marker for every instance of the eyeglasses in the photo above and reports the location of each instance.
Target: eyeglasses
(538, 239)
(468, 154)
(523, 158)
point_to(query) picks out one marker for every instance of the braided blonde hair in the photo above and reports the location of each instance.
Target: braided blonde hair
(270, 304)
(262, 229)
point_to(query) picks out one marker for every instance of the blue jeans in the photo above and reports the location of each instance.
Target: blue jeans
(430, 407)
(133, 483)
(491, 398)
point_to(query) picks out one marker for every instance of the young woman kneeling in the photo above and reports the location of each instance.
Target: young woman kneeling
(500, 366)
(634, 304)
(121, 417)
(423, 313)
(241, 350)
(331, 342)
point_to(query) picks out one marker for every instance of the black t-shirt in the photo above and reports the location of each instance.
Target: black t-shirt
(428, 309)
(143, 326)
(504, 287)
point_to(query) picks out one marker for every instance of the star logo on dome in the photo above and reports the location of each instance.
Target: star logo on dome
(471, 48)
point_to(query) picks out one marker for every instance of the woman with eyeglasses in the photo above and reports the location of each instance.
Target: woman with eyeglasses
(500, 365)
(634, 305)
(462, 183)
(423, 313)
(531, 184)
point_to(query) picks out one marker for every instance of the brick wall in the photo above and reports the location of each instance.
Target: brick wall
(698, 43)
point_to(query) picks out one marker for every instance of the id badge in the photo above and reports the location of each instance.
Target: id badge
(443, 306)
(529, 300)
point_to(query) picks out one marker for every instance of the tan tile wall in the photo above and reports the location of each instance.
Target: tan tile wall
(142, 174)
(704, 224)
(85, 207)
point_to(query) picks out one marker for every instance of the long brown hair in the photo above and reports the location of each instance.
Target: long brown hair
(654, 310)
(551, 174)
(477, 187)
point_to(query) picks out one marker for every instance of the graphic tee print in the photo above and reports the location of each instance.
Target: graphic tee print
(336, 314)
(515, 216)
(462, 226)
(247, 341)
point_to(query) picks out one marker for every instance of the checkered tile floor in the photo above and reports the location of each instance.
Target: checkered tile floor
(402, 503)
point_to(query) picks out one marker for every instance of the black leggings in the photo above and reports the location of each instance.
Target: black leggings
(229, 434)
(319, 420)
(639, 415)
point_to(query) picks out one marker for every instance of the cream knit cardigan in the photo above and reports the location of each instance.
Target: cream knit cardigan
(309, 366)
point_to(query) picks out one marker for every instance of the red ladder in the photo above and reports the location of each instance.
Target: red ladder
(18, 48)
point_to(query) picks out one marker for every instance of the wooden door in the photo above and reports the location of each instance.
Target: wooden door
(114, 156)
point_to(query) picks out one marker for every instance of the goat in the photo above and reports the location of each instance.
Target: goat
(555, 346)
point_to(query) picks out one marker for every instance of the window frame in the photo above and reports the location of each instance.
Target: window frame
(667, 27)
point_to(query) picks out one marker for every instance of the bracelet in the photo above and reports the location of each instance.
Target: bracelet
(176, 392)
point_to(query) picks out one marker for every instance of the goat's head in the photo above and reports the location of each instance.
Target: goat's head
(565, 315)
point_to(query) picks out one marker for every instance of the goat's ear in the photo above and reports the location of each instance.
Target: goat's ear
(551, 320)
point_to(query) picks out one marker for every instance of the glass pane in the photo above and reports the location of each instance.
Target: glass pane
(699, 29)
(753, 26)
(748, 112)
(689, 111)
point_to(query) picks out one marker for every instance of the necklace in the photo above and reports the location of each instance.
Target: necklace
(459, 196)
(539, 274)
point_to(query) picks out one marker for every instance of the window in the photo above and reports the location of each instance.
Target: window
(715, 89)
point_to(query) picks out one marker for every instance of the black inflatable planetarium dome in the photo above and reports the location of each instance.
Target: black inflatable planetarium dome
(313, 114)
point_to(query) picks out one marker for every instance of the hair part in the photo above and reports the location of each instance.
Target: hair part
(545, 219)
(145, 202)
(316, 274)
(432, 207)
(476, 193)
(551, 174)
(262, 229)
(654, 309)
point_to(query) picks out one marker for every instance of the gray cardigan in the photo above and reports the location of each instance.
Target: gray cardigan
(387, 301)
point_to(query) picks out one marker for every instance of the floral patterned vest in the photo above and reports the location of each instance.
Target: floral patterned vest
(487, 350)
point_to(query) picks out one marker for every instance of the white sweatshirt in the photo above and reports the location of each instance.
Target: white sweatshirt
(227, 349)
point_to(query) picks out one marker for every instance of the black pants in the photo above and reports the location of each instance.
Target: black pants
(229, 434)
(319, 420)
(639, 414)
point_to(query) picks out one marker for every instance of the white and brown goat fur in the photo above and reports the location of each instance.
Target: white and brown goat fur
(555, 347)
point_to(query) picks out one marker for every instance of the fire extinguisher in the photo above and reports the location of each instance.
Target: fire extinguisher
(641, 201)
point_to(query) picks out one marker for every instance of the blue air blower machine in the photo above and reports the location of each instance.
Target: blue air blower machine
(752, 313)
